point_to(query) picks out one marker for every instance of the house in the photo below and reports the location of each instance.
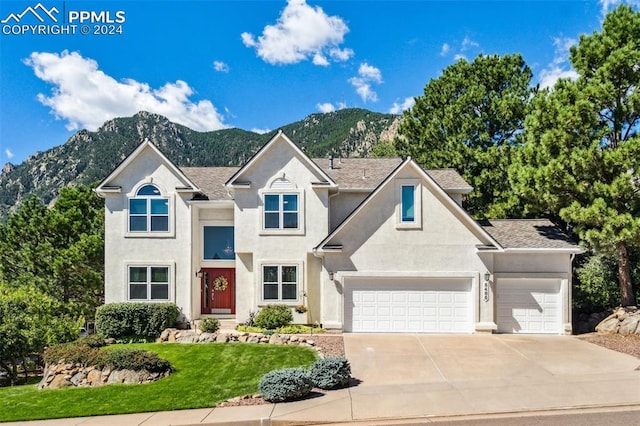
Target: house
(367, 245)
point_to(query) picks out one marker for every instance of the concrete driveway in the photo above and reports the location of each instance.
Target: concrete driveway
(436, 375)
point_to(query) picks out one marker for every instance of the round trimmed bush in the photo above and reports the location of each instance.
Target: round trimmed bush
(209, 325)
(330, 373)
(286, 384)
(273, 316)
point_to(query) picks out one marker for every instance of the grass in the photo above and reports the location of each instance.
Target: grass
(204, 375)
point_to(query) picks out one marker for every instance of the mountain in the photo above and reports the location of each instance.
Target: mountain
(88, 157)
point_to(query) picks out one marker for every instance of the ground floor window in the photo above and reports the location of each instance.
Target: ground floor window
(148, 283)
(280, 282)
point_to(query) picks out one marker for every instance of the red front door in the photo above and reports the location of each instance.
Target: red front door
(218, 287)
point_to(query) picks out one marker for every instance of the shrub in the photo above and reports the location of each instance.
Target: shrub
(138, 320)
(330, 373)
(92, 340)
(299, 329)
(209, 325)
(249, 329)
(274, 316)
(73, 353)
(136, 359)
(285, 384)
(120, 358)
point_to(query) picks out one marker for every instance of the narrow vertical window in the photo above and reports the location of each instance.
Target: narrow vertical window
(408, 203)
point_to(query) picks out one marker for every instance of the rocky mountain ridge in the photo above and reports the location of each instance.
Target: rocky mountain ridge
(87, 157)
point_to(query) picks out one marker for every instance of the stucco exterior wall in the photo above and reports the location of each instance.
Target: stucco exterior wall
(371, 242)
(342, 204)
(171, 249)
(258, 246)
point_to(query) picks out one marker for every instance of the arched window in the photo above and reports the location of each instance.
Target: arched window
(281, 206)
(149, 210)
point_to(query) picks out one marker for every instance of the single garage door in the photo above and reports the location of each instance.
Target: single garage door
(408, 305)
(529, 306)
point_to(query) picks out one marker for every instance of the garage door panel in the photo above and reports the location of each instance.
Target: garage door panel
(529, 306)
(408, 305)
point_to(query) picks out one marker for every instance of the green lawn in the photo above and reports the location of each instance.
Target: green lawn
(204, 375)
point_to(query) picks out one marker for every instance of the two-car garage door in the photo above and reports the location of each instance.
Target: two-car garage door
(411, 305)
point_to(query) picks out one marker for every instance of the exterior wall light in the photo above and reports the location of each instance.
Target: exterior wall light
(331, 275)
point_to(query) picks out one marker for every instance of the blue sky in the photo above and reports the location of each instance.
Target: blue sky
(256, 65)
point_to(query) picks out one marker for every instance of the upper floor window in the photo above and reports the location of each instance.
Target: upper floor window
(149, 210)
(409, 203)
(281, 211)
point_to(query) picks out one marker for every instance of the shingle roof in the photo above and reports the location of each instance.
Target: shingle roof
(449, 179)
(527, 234)
(368, 173)
(358, 173)
(348, 173)
(211, 180)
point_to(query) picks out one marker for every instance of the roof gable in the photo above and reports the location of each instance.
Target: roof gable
(446, 200)
(280, 137)
(105, 187)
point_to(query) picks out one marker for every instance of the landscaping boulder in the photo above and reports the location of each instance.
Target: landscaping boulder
(621, 321)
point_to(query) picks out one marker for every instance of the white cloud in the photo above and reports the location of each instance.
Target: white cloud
(301, 32)
(458, 49)
(318, 59)
(86, 97)
(329, 107)
(367, 75)
(326, 107)
(340, 55)
(549, 76)
(261, 131)
(397, 108)
(8, 153)
(467, 44)
(559, 66)
(220, 66)
(608, 5)
(370, 73)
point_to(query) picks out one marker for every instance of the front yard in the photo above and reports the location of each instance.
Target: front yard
(205, 374)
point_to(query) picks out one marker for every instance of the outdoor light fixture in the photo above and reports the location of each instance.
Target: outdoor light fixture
(487, 276)
(331, 275)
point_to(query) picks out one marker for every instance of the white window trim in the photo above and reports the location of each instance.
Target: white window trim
(171, 286)
(280, 301)
(417, 186)
(282, 231)
(150, 234)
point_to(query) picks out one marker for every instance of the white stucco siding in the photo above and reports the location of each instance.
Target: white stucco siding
(293, 247)
(532, 262)
(342, 204)
(172, 249)
(372, 244)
